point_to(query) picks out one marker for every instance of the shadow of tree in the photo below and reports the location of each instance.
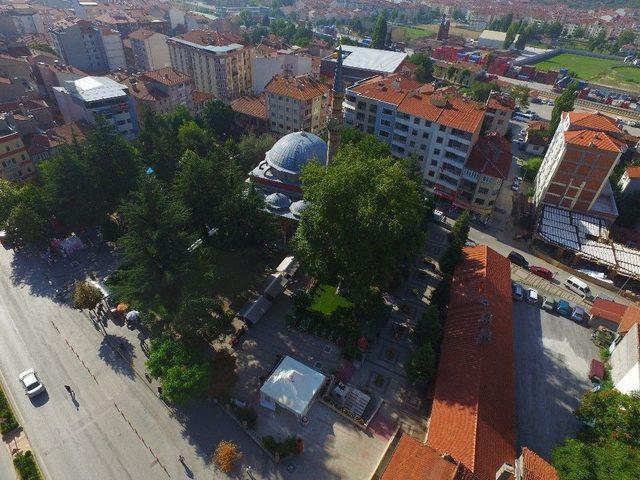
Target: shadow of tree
(108, 354)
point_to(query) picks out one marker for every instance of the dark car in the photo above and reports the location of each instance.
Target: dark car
(541, 271)
(518, 259)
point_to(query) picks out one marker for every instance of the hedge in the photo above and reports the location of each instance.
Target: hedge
(7, 420)
(26, 466)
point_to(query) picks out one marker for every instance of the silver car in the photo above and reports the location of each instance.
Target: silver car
(30, 382)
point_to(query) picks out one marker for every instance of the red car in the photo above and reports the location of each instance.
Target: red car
(541, 271)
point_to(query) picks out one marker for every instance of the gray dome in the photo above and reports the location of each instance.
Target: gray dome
(297, 207)
(277, 201)
(295, 150)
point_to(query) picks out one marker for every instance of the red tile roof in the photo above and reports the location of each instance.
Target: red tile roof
(612, 311)
(629, 319)
(593, 121)
(593, 139)
(473, 415)
(390, 89)
(302, 87)
(451, 111)
(534, 467)
(251, 106)
(501, 102)
(413, 460)
(491, 155)
(633, 172)
(202, 97)
(166, 76)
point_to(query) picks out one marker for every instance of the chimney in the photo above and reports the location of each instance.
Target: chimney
(447, 456)
(505, 472)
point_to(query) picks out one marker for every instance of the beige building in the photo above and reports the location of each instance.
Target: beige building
(150, 50)
(218, 63)
(297, 104)
(15, 163)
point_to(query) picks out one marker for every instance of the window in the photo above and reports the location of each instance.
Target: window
(384, 133)
(479, 201)
(425, 135)
(432, 173)
(412, 143)
(443, 128)
(439, 140)
(436, 151)
(434, 163)
(483, 191)
(385, 111)
(423, 147)
(416, 121)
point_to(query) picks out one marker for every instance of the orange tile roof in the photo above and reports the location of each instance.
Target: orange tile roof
(535, 467)
(251, 106)
(491, 155)
(413, 460)
(390, 89)
(473, 415)
(166, 76)
(202, 97)
(633, 172)
(451, 111)
(593, 121)
(612, 311)
(629, 319)
(501, 102)
(593, 139)
(302, 87)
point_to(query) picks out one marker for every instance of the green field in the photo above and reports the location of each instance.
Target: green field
(406, 34)
(326, 301)
(596, 70)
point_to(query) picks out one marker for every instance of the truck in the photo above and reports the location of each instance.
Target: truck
(563, 308)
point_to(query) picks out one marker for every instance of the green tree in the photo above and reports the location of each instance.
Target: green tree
(441, 294)
(10, 196)
(522, 40)
(379, 36)
(628, 206)
(252, 150)
(611, 460)
(424, 67)
(563, 103)
(597, 42)
(460, 230)
(511, 35)
(245, 17)
(521, 95)
(200, 320)
(450, 258)
(184, 372)
(155, 259)
(25, 225)
(421, 367)
(193, 137)
(86, 296)
(364, 218)
(480, 91)
(614, 416)
(157, 142)
(218, 118)
(531, 168)
(428, 329)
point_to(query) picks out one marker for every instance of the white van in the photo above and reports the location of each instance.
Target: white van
(578, 286)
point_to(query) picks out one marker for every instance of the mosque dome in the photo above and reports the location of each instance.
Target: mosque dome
(295, 150)
(277, 201)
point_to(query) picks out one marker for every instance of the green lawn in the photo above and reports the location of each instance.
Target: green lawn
(326, 301)
(406, 34)
(596, 70)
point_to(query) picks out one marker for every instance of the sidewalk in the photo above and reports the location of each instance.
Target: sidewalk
(6, 466)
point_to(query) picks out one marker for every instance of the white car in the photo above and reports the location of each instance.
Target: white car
(30, 382)
(532, 296)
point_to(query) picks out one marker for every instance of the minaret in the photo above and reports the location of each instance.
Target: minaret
(335, 122)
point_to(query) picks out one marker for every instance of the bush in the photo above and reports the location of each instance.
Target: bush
(226, 456)
(26, 466)
(285, 448)
(248, 415)
(7, 420)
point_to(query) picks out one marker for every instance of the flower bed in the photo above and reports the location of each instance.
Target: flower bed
(26, 466)
(8, 421)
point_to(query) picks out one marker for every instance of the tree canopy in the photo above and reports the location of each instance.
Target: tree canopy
(424, 66)
(564, 103)
(364, 217)
(379, 36)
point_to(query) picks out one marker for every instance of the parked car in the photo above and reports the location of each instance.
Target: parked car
(563, 307)
(578, 315)
(519, 179)
(518, 292)
(518, 259)
(549, 304)
(30, 382)
(596, 371)
(532, 296)
(578, 286)
(541, 271)
(515, 187)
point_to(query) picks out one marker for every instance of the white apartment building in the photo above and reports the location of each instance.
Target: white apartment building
(217, 62)
(436, 127)
(297, 104)
(90, 97)
(150, 50)
(265, 67)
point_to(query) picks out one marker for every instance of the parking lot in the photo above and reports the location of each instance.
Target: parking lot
(552, 357)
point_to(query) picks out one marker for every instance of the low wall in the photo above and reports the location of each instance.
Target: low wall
(558, 51)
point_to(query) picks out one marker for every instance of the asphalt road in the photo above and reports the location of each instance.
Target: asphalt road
(116, 428)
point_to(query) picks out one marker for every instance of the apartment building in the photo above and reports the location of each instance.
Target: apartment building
(218, 63)
(15, 163)
(498, 113)
(297, 104)
(87, 47)
(89, 97)
(438, 128)
(574, 174)
(20, 19)
(150, 50)
(266, 64)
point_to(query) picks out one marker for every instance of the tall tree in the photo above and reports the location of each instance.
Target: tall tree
(157, 142)
(522, 40)
(252, 149)
(364, 217)
(155, 257)
(379, 36)
(424, 66)
(511, 35)
(564, 103)
(218, 118)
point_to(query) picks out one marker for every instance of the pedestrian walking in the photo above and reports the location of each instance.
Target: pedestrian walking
(181, 459)
(68, 389)
(159, 392)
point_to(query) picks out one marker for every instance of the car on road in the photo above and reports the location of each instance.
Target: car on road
(518, 259)
(541, 271)
(563, 308)
(30, 382)
(549, 304)
(532, 296)
(578, 286)
(518, 292)
(578, 315)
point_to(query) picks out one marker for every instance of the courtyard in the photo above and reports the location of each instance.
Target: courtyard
(552, 358)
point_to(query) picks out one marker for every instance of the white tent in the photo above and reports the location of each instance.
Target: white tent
(293, 386)
(288, 265)
(275, 285)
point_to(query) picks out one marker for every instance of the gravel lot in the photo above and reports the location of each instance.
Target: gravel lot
(552, 357)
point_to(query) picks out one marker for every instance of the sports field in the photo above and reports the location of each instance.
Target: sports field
(606, 72)
(406, 34)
